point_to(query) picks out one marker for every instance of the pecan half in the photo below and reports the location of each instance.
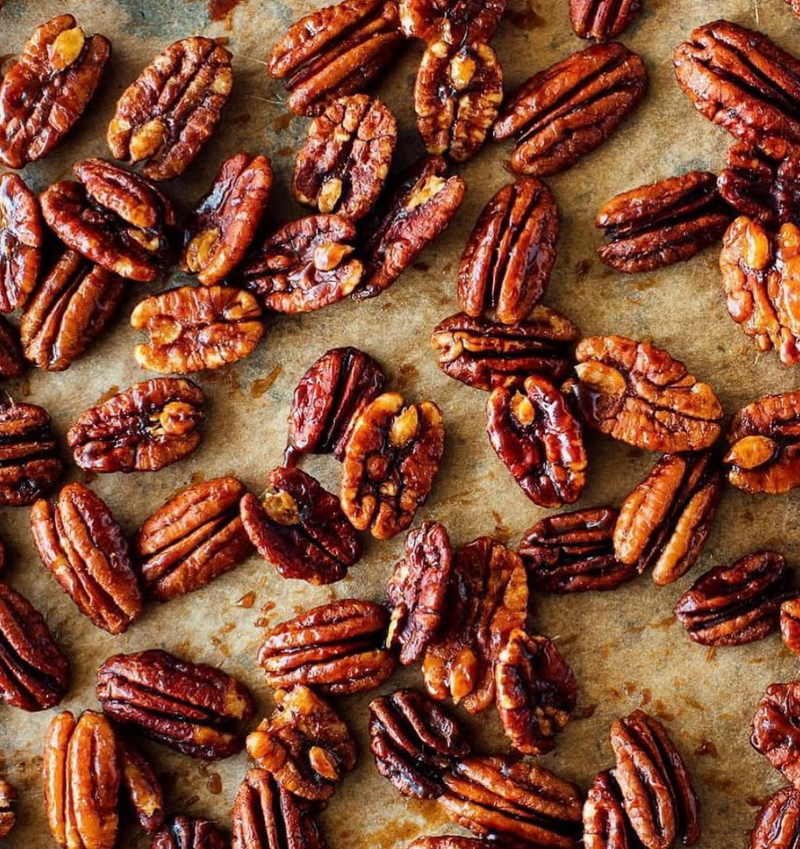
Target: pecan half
(664, 523)
(182, 832)
(790, 624)
(452, 21)
(168, 114)
(775, 733)
(300, 528)
(390, 463)
(304, 744)
(143, 429)
(192, 539)
(336, 648)
(778, 821)
(142, 787)
(48, 88)
(450, 841)
(191, 707)
(8, 808)
(414, 743)
(11, 362)
(603, 19)
(84, 549)
(506, 265)
(223, 224)
(29, 464)
(344, 163)
(571, 108)
(605, 823)
(639, 394)
(21, 239)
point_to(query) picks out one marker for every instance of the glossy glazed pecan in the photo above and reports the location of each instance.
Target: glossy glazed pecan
(664, 523)
(603, 20)
(414, 743)
(335, 51)
(390, 463)
(450, 841)
(145, 428)
(571, 108)
(11, 362)
(344, 163)
(223, 224)
(141, 787)
(192, 539)
(778, 821)
(191, 707)
(8, 808)
(300, 528)
(21, 239)
(451, 21)
(29, 464)
(182, 832)
(304, 745)
(168, 114)
(775, 732)
(48, 88)
(790, 624)
(506, 265)
(84, 549)
(605, 823)
(639, 394)
(338, 648)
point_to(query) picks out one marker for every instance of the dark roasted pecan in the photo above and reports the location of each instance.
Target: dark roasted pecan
(778, 821)
(141, 786)
(21, 239)
(182, 832)
(571, 108)
(605, 823)
(790, 624)
(8, 808)
(664, 523)
(344, 163)
(300, 528)
(337, 648)
(452, 21)
(223, 224)
(506, 265)
(639, 394)
(390, 464)
(47, 89)
(304, 744)
(335, 51)
(414, 743)
(602, 19)
(29, 465)
(192, 539)
(143, 429)
(488, 599)
(422, 206)
(775, 731)
(190, 707)
(84, 549)
(662, 223)
(33, 671)
(168, 114)
(11, 361)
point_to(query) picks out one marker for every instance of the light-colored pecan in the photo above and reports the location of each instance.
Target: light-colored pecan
(451, 21)
(8, 808)
(141, 786)
(29, 464)
(603, 19)
(778, 821)
(182, 832)
(21, 239)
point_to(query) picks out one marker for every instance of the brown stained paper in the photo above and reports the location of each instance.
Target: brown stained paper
(626, 649)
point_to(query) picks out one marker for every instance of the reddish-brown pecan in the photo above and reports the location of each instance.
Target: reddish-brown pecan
(300, 528)
(192, 539)
(223, 224)
(48, 88)
(182, 832)
(664, 523)
(390, 463)
(776, 729)
(571, 108)
(143, 429)
(506, 265)
(451, 21)
(8, 808)
(304, 744)
(168, 114)
(795, 6)
(84, 549)
(190, 707)
(450, 841)
(344, 163)
(639, 394)
(11, 362)
(778, 821)
(335, 51)
(790, 624)
(337, 648)
(605, 823)
(141, 787)
(21, 238)
(603, 19)
(414, 743)
(487, 600)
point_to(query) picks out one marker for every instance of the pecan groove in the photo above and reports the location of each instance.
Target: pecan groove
(21, 242)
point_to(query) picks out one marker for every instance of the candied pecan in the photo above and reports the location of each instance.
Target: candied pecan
(778, 821)
(84, 549)
(790, 624)
(506, 265)
(29, 465)
(168, 114)
(68, 311)
(300, 528)
(664, 523)
(344, 163)
(21, 238)
(452, 21)
(390, 463)
(450, 841)
(8, 808)
(142, 787)
(304, 744)
(775, 731)
(48, 88)
(603, 19)
(11, 362)
(190, 707)
(182, 832)
(571, 108)
(327, 401)
(639, 394)
(33, 671)
(192, 539)
(335, 51)
(414, 743)
(421, 208)
(143, 429)
(488, 599)
(336, 648)
(223, 224)
(605, 823)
